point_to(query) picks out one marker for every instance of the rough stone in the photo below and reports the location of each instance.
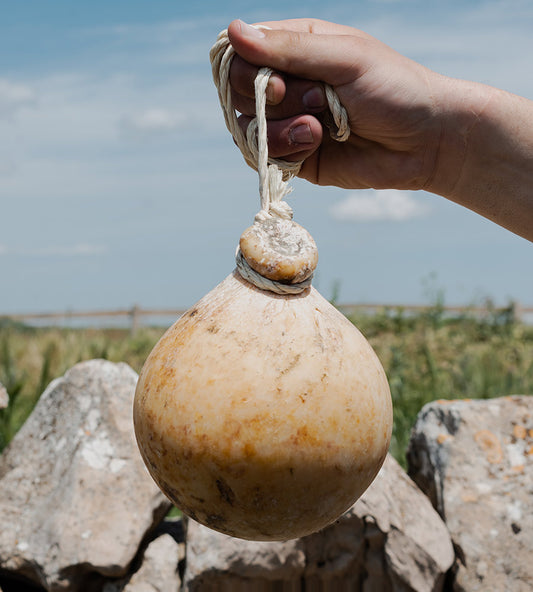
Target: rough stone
(158, 571)
(4, 398)
(390, 540)
(474, 459)
(217, 562)
(75, 498)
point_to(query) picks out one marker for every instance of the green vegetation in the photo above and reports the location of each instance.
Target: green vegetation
(31, 357)
(430, 356)
(427, 356)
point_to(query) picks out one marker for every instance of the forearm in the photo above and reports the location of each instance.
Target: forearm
(486, 157)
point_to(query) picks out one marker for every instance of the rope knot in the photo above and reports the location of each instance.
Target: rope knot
(274, 174)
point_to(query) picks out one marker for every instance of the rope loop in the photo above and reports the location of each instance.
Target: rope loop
(263, 283)
(274, 174)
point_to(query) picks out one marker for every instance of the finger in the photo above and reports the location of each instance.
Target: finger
(315, 26)
(242, 76)
(295, 138)
(301, 96)
(286, 97)
(335, 59)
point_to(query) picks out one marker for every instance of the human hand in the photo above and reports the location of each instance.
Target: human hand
(411, 128)
(395, 132)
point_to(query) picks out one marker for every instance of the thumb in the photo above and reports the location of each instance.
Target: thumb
(331, 57)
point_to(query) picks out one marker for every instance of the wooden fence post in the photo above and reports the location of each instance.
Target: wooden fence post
(134, 316)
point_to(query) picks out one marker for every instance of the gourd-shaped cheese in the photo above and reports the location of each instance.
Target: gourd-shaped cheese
(263, 416)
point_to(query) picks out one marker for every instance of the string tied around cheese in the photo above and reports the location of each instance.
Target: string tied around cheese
(274, 174)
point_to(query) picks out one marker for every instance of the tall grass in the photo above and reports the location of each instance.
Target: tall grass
(429, 356)
(426, 356)
(31, 357)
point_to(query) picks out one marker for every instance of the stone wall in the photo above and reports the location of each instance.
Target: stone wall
(474, 460)
(80, 513)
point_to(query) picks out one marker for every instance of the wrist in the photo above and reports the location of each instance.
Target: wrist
(460, 108)
(485, 160)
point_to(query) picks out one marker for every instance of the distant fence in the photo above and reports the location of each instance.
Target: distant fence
(135, 317)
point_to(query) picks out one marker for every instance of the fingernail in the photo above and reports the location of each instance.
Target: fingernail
(314, 98)
(301, 134)
(272, 96)
(249, 31)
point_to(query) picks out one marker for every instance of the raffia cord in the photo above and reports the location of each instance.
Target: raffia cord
(274, 174)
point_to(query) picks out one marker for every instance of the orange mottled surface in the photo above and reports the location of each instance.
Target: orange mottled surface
(263, 416)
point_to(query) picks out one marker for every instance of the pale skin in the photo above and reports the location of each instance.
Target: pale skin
(411, 128)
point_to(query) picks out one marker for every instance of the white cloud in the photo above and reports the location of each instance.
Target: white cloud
(72, 144)
(14, 96)
(371, 205)
(151, 122)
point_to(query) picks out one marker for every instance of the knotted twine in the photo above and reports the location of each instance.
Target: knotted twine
(274, 174)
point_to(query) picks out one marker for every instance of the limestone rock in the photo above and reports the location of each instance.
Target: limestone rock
(158, 571)
(475, 461)
(390, 540)
(217, 562)
(75, 497)
(4, 398)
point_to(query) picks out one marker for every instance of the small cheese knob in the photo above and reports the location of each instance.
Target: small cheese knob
(280, 250)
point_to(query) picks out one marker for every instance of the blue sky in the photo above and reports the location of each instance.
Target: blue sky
(120, 185)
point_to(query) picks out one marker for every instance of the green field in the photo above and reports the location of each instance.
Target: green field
(427, 356)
